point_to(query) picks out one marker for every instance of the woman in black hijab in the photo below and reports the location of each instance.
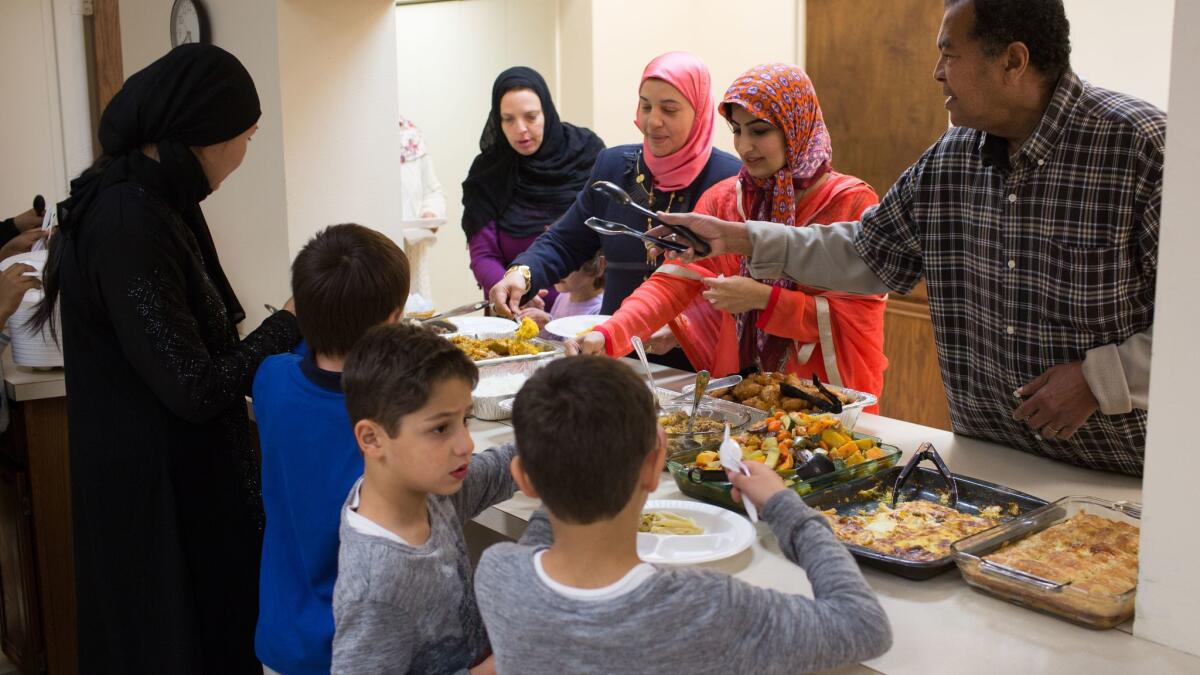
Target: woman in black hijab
(164, 478)
(529, 169)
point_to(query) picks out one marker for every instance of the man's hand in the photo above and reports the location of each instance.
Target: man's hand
(22, 243)
(27, 221)
(13, 284)
(758, 487)
(736, 294)
(722, 235)
(506, 295)
(1057, 402)
(662, 341)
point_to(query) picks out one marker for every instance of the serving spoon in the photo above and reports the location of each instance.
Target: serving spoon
(702, 378)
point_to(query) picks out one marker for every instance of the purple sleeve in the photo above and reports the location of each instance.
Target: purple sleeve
(487, 260)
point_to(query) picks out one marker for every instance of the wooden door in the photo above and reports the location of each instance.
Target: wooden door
(872, 64)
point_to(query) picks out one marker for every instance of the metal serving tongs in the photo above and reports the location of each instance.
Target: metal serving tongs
(926, 451)
(615, 193)
(457, 311)
(608, 227)
(826, 402)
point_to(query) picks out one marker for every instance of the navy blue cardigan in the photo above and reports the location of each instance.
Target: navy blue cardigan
(569, 244)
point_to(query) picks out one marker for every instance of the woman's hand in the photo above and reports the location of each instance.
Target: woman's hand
(13, 284)
(538, 316)
(662, 341)
(22, 243)
(758, 487)
(736, 294)
(506, 295)
(590, 343)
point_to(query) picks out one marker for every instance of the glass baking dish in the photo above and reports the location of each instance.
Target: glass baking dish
(850, 411)
(1087, 608)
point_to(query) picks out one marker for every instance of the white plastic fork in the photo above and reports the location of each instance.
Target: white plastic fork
(731, 459)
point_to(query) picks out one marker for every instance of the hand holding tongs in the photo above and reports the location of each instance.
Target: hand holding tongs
(827, 402)
(926, 451)
(615, 193)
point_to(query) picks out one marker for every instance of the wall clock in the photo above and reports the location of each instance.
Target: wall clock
(189, 23)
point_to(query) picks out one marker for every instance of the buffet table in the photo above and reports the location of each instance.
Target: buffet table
(941, 624)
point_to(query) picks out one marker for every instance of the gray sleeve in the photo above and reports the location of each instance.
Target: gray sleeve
(488, 481)
(538, 532)
(842, 623)
(372, 637)
(1119, 375)
(821, 256)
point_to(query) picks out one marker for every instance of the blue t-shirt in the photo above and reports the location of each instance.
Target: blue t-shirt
(310, 461)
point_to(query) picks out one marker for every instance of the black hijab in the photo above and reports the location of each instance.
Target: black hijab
(196, 95)
(539, 188)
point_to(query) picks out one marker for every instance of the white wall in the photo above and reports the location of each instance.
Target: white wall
(1168, 601)
(449, 54)
(1123, 46)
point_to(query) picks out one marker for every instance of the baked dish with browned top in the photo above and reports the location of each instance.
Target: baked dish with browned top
(919, 531)
(1091, 553)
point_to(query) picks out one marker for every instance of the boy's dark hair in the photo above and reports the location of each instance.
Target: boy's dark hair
(393, 369)
(584, 425)
(1040, 24)
(345, 280)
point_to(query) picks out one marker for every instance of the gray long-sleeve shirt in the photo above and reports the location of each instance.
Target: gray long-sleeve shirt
(400, 608)
(684, 620)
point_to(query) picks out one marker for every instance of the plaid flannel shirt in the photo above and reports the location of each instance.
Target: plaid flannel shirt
(1032, 260)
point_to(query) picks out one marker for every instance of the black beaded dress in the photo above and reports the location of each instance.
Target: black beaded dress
(164, 475)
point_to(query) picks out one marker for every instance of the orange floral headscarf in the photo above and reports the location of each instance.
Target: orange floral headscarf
(782, 95)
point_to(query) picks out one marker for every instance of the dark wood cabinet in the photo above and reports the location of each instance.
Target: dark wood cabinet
(20, 619)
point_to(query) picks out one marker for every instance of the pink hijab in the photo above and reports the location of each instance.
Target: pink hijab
(687, 73)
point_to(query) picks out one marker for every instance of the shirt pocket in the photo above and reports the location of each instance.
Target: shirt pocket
(1085, 288)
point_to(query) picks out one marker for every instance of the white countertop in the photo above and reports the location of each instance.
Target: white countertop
(22, 383)
(941, 624)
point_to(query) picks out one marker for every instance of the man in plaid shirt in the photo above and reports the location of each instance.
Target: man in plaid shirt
(1034, 221)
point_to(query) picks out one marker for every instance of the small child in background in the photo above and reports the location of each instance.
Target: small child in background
(404, 601)
(580, 293)
(586, 603)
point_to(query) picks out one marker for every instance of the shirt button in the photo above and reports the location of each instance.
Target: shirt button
(1012, 264)
(1010, 330)
(1012, 198)
(1041, 162)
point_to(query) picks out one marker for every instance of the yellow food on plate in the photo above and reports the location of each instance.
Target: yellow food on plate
(666, 522)
(527, 330)
(920, 531)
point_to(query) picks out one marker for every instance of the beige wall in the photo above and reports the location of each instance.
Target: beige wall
(46, 136)
(1124, 46)
(1168, 601)
(449, 54)
(326, 78)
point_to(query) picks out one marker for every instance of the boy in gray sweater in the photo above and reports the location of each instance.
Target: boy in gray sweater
(404, 599)
(587, 604)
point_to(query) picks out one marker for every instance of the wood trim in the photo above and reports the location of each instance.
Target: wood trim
(106, 51)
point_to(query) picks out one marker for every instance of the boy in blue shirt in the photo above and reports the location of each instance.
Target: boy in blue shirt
(347, 279)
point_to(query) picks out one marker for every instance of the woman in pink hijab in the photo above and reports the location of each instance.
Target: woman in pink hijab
(668, 170)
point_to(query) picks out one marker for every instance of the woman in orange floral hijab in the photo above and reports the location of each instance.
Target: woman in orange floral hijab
(726, 321)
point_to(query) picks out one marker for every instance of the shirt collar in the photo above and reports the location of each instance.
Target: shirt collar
(325, 379)
(993, 150)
